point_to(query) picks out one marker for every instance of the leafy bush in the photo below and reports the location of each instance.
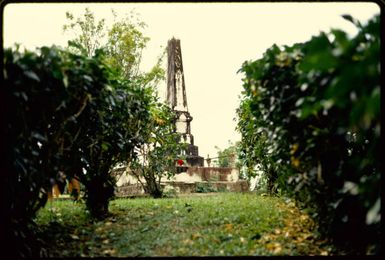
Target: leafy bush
(202, 187)
(310, 118)
(157, 157)
(169, 192)
(227, 156)
(71, 114)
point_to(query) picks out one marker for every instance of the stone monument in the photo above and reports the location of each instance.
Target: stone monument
(177, 100)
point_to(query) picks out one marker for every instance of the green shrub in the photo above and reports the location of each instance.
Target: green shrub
(310, 117)
(203, 187)
(169, 192)
(72, 114)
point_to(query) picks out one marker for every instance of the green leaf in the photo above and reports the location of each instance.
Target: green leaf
(65, 81)
(350, 18)
(32, 75)
(319, 60)
(374, 214)
(105, 146)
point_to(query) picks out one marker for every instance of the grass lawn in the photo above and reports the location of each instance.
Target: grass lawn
(229, 224)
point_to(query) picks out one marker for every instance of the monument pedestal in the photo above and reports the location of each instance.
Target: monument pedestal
(192, 156)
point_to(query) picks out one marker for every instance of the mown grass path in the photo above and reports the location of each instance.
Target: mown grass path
(229, 224)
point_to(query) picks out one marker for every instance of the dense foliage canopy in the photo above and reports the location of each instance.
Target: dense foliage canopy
(72, 114)
(310, 118)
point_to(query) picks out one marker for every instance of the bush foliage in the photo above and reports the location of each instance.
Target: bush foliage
(157, 157)
(71, 114)
(309, 117)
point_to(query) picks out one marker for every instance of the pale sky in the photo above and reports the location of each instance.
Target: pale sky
(216, 38)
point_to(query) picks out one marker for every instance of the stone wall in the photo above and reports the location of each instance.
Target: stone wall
(214, 173)
(135, 190)
(190, 175)
(130, 190)
(221, 179)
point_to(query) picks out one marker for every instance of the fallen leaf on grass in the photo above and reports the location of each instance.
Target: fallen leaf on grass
(307, 236)
(99, 229)
(228, 227)
(109, 251)
(277, 231)
(304, 217)
(187, 241)
(74, 237)
(268, 237)
(145, 229)
(195, 236)
(274, 247)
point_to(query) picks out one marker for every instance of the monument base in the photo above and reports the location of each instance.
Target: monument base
(193, 160)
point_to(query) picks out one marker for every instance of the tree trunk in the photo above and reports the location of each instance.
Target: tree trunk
(153, 187)
(271, 182)
(100, 189)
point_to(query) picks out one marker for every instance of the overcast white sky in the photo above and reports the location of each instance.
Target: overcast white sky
(216, 38)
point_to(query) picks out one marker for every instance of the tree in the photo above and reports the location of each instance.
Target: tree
(112, 126)
(157, 158)
(123, 46)
(123, 43)
(88, 33)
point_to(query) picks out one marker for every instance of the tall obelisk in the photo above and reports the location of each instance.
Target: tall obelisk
(177, 100)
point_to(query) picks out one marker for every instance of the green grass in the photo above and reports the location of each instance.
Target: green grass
(224, 224)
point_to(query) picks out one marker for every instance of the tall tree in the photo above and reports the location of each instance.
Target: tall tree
(123, 43)
(87, 33)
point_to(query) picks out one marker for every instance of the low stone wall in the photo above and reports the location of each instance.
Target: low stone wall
(215, 173)
(218, 178)
(190, 175)
(239, 186)
(134, 190)
(129, 190)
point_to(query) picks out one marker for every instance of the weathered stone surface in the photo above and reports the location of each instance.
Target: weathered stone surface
(220, 179)
(177, 100)
(184, 174)
(135, 190)
(215, 173)
(129, 190)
